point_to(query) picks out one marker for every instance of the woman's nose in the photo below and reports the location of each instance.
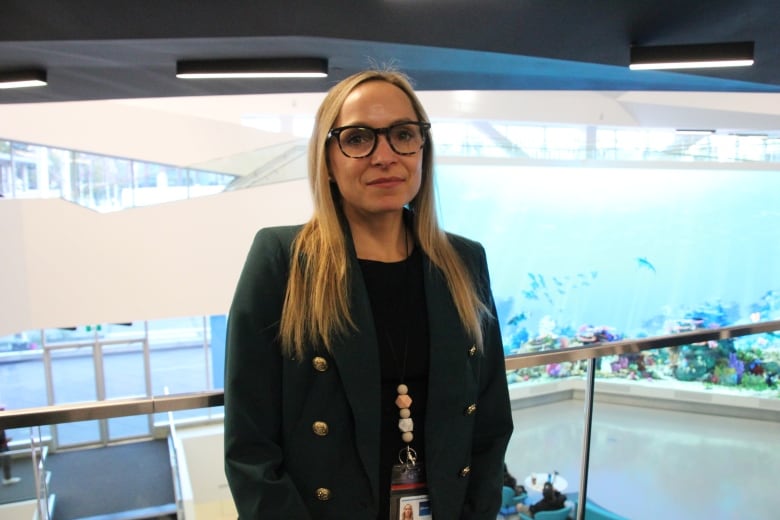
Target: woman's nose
(383, 151)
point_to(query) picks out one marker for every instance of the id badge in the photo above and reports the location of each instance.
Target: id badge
(409, 494)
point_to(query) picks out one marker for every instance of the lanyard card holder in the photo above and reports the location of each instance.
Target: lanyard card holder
(409, 493)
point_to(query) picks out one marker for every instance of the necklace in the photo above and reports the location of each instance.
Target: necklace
(403, 401)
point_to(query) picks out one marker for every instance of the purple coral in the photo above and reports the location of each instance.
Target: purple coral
(738, 366)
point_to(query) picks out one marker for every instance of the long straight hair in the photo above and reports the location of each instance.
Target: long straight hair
(316, 304)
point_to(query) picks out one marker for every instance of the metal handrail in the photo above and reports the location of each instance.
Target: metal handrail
(630, 346)
(73, 412)
(64, 413)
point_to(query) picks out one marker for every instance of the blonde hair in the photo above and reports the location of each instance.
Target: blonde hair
(316, 304)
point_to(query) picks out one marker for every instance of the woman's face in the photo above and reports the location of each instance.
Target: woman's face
(407, 511)
(384, 181)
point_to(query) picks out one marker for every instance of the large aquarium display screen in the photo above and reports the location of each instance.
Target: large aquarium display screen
(580, 255)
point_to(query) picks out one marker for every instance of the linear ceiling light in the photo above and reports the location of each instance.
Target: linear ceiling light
(694, 131)
(22, 78)
(704, 56)
(253, 68)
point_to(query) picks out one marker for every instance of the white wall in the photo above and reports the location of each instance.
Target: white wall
(204, 487)
(63, 265)
(124, 129)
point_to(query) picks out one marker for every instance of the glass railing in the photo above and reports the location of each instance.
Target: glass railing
(607, 422)
(629, 447)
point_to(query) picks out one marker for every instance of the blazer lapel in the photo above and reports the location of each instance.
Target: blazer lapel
(357, 359)
(449, 346)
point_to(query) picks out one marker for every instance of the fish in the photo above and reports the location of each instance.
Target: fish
(643, 262)
(517, 318)
(531, 295)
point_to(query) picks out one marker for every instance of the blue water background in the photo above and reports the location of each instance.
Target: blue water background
(630, 248)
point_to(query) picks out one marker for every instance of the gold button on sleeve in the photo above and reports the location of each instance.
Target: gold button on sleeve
(320, 428)
(322, 494)
(320, 364)
(470, 409)
(473, 351)
(465, 471)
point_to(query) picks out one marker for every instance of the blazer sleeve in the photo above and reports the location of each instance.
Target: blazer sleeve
(253, 402)
(493, 426)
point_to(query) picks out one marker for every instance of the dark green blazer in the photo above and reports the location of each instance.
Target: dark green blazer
(302, 435)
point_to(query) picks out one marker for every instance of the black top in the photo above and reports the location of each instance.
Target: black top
(397, 294)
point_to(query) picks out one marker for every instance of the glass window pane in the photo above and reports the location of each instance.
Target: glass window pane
(22, 375)
(125, 377)
(73, 381)
(179, 370)
(73, 375)
(6, 171)
(207, 183)
(178, 355)
(123, 367)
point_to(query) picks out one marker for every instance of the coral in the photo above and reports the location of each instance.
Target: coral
(738, 365)
(750, 363)
(754, 382)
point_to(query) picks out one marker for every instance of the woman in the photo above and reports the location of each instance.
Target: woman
(364, 343)
(552, 500)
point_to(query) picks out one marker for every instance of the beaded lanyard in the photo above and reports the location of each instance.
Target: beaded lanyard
(407, 455)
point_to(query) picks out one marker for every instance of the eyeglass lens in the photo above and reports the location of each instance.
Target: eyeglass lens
(404, 138)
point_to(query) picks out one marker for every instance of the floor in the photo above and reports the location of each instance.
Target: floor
(22, 490)
(648, 464)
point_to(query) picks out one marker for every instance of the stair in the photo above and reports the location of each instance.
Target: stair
(163, 512)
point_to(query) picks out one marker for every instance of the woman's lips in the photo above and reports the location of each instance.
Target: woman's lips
(385, 181)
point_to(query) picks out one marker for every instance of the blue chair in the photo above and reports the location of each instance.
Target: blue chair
(508, 501)
(593, 511)
(558, 514)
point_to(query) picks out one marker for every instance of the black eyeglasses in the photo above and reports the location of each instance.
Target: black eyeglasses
(360, 141)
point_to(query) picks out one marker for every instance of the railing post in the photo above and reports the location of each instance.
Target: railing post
(588, 420)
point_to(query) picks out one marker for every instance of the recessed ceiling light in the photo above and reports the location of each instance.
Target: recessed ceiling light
(22, 79)
(703, 56)
(253, 68)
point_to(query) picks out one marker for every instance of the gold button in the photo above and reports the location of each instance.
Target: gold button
(320, 428)
(470, 409)
(473, 351)
(320, 364)
(465, 471)
(323, 494)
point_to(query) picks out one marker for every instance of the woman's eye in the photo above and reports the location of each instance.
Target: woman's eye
(404, 133)
(357, 137)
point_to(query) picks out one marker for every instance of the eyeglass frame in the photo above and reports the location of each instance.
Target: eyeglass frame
(336, 132)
